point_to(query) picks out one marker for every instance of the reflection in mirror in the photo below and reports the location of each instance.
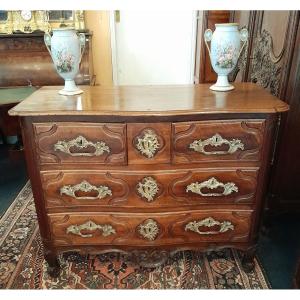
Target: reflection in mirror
(59, 15)
(3, 15)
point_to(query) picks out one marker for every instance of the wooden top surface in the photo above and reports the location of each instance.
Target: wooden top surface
(158, 100)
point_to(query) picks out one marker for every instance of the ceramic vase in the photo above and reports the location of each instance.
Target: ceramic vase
(225, 49)
(66, 48)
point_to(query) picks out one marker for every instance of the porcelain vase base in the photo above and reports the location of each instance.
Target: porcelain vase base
(218, 88)
(70, 93)
(70, 89)
(222, 84)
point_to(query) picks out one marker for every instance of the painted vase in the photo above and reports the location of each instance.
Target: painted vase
(66, 48)
(224, 51)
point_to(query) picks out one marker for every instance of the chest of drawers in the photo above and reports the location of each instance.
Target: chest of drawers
(149, 170)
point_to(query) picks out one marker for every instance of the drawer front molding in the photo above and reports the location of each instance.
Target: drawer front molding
(148, 144)
(148, 188)
(106, 229)
(156, 229)
(209, 222)
(225, 140)
(212, 183)
(81, 143)
(85, 186)
(216, 140)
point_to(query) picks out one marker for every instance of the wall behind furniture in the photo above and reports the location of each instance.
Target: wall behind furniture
(97, 21)
(154, 47)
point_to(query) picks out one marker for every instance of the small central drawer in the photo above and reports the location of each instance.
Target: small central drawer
(88, 143)
(150, 229)
(148, 189)
(148, 143)
(226, 140)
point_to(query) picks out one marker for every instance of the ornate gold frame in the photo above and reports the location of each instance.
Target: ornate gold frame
(39, 21)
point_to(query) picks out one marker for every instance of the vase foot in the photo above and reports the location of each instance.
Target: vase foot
(70, 93)
(219, 88)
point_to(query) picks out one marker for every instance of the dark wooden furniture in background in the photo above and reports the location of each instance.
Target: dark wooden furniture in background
(25, 60)
(273, 61)
(149, 170)
(10, 126)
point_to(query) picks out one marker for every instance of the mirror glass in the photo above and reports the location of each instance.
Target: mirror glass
(60, 15)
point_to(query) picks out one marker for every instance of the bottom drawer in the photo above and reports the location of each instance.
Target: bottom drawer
(153, 229)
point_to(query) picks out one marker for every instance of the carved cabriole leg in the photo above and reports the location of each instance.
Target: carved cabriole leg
(53, 263)
(248, 259)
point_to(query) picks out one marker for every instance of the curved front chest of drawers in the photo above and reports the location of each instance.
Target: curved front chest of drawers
(149, 168)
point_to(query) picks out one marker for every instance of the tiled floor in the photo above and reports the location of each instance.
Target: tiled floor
(277, 250)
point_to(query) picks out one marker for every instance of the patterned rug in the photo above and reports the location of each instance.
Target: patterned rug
(22, 265)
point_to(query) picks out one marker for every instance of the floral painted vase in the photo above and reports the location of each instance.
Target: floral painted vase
(224, 51)
(66, 49)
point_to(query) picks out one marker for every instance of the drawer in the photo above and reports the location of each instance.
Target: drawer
(89, 143)
(156, 189)
(235, 140)
(150, 229)
(148, 143)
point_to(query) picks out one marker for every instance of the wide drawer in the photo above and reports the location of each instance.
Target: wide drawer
(89, 143)
(235, 140)
(148, 189)
(150, 229)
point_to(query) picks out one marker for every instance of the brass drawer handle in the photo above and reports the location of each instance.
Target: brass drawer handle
(212, 183)
(91, 226)
(147, 188)
(216, 140)
(209, 222)
(84, 186)
(81, 143)
(148, 144)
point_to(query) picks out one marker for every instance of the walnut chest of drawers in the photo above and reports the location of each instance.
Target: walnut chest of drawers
(149, 170)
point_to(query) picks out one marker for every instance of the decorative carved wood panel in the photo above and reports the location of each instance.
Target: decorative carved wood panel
(273, 62)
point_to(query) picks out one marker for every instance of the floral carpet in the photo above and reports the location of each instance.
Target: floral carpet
(22, 265)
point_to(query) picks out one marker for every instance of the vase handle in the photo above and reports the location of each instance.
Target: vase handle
(207, 38)
(81, 37)
(244, 38)
(47, 40)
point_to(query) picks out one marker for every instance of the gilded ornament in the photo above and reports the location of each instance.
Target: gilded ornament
(91, 226)
(85, 186)
(212, 183)
(216, 140)
(209, 222)
(148, 188)
(148, 144)
(81, 143)
(149, 229)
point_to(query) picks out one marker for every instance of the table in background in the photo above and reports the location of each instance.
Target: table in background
(9, 126)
